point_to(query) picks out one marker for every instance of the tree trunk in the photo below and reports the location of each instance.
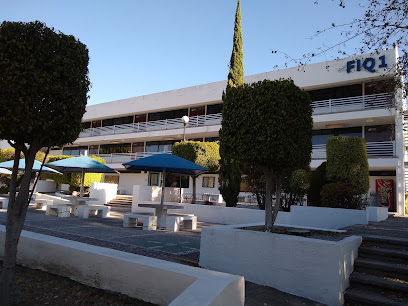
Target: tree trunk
(194, 195)
(276, 206)
(269, 179)
(16, 214)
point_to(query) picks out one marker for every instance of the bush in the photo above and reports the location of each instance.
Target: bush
(347, 163)
(338, 195)
(317, 181)
(4, 189)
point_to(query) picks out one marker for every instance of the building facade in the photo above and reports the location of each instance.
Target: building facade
(351, 96)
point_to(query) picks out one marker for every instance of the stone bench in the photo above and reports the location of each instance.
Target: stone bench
(149, 220)
(101, 211)
(62, 211)
(4, 203)
(173, 222)
(42, 204)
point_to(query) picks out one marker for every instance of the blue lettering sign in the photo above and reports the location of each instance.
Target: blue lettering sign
(368, 64)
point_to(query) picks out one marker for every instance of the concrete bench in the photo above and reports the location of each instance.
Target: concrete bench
(42, 204)
(173, 222)
(101, 211)
(149, 220)
(62, 211)
(4, 203)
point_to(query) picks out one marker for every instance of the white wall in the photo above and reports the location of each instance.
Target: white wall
(4, 144)
(149, 279)
(103, 192)
(45, 186)
(311, 268)
(127, 180)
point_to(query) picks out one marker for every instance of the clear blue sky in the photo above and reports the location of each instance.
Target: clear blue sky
(141, 47)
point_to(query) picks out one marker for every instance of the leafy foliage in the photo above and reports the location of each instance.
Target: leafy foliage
(230, 181)
(254, 178)
(44, 84)
(204, 154)
(338, 195)
(268, 124)
(236, 72)
(347, 162)
(43, 92)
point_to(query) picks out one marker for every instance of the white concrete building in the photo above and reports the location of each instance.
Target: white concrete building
(349, 98)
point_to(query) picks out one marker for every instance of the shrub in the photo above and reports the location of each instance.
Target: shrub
(338, 195)
(347, 163)
(317, 181)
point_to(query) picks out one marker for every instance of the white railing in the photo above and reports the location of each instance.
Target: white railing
(168, 124)
(353, 103)
(374, 149)
(120, 158)
(319, 107)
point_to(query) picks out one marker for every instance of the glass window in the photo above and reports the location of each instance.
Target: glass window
(140, 118)
(97, 123)
(86, 125)
(115, 148)
(214, 109)
(197, 111)
(208, 181)
(377, 133)
(379, 87)
(137, 147)
(153, 179)
(172, 114)
(94, 149)
(74, 151)
(336, 92)
(152, 146)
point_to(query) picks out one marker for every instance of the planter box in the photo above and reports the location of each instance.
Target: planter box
(376, 214)
(311, 268)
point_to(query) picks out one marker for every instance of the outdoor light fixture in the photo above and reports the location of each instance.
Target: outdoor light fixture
(185, 121)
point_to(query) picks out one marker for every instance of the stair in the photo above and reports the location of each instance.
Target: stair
(380, 274)
(121, 201)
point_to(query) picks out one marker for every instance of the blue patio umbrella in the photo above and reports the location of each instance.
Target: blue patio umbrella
(81, 164)
(21, 166)
(165, 163)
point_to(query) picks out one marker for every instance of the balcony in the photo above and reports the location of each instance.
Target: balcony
(374, 149)
(382, 100)
(158, 125)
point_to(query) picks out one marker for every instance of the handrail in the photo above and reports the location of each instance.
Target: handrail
(374, 149)
(381, 100)
(157, 125)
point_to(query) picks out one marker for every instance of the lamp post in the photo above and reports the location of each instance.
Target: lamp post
(185, 121)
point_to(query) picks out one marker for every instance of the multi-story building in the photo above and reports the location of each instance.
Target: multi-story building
(351, 96)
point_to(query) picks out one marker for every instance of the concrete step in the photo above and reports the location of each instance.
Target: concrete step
(386, 242)
(367, 281)
(394, 255)
(357, 296)
(381, 268)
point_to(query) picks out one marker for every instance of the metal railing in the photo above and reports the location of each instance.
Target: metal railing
(374, 149)
(381, 100)
(167, 124)
(121, 158)
(319, 107)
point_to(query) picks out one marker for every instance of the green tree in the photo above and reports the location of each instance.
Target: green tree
(347, 163)
(229, 179)
(268, 124)
(317, 180)
(43, 93)
(204, 154)
(236, 71)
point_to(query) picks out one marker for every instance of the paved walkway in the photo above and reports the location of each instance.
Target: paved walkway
(181, 247)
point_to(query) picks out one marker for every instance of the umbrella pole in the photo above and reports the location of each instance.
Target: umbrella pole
(163, 185)
(81, 193)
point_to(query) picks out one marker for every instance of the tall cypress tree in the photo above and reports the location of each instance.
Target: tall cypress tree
(236, 72)
(230, 175)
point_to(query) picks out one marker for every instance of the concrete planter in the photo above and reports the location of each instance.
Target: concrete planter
(376, 214)
(311, 268)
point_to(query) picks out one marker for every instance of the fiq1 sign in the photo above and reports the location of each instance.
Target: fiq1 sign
(368, 64)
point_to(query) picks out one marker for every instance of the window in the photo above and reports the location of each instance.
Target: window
(174, 180)
(153, 179)
(86, 125)
(137, 147)
(336, 92)
(208, 181)
(74, 151)
(214, 109)
(115, 148)
(197, 111)
(377, 133)
(320, 136)
(160, 146)
(173, 114)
